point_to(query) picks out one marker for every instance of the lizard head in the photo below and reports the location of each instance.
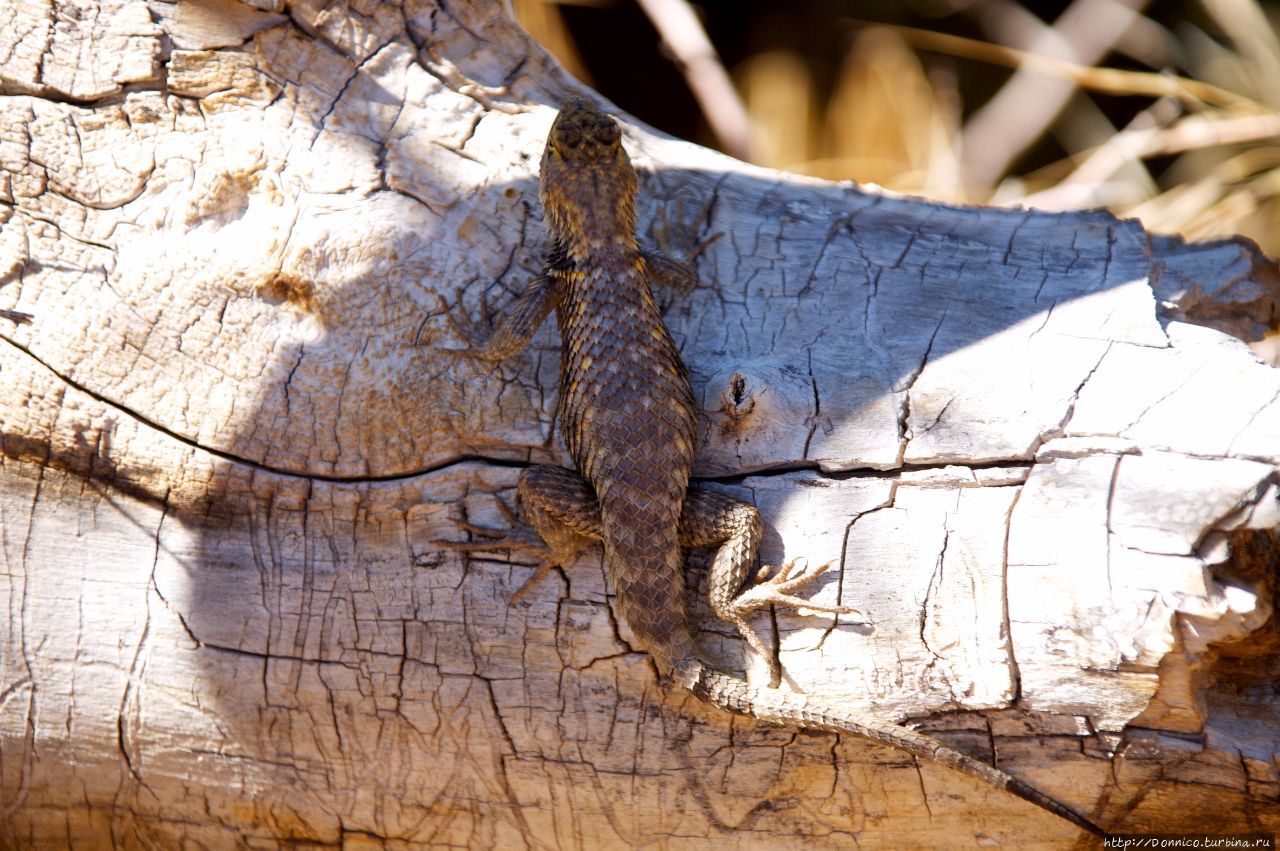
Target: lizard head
(588, 185)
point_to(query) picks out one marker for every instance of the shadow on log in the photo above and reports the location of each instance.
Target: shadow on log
(1047, 470)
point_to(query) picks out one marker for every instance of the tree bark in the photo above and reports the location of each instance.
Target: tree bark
(1044, 461)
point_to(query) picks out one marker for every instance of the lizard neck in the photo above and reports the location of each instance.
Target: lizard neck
(600, 243)
(590, 207)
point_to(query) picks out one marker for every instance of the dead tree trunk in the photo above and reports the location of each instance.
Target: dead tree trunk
(228, 445)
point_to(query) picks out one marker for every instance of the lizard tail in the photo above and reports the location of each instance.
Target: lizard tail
(791, 709)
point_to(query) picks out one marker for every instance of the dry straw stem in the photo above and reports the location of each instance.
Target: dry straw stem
(1029, 103)
(1213, 205)
(1114, 81)
(886, 121)
(1247, 26)
(1205, 205)
(1142, 140)
(683, 35)
(778, 89)
(690, 48)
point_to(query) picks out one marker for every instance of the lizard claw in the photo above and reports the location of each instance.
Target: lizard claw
(663, 229)
(518, 538)
(780, 590)
(463, 327)
(776, 591)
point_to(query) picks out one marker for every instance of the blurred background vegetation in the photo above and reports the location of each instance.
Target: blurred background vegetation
(1167, 111)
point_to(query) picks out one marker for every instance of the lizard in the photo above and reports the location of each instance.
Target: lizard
(627, 416)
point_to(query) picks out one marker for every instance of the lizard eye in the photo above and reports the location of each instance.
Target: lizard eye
(606, 132)
(570, 137)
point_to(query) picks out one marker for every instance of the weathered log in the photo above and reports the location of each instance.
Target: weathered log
(228, 443)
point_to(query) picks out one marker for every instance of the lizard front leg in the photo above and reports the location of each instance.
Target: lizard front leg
(520, 321)
(661, 265)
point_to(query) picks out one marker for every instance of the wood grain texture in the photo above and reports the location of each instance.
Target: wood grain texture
(1046, 470)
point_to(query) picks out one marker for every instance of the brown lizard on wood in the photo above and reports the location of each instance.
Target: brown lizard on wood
(627, 415)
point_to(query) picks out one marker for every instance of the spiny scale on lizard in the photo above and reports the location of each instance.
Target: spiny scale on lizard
(627, 415)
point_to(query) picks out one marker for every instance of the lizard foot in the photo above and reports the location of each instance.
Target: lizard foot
(662, 266)
(520, 539)
(474, 334)
(780, 591)
(672, 234)
(776, 591)
(517, 538)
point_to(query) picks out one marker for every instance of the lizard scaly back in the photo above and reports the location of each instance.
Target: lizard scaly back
(626, 408)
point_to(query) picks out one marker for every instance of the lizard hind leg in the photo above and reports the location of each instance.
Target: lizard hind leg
(562, 509)
(562, 519)
(714, 518)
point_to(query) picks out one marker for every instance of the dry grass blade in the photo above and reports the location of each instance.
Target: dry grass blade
(1246, 24)
(1145, 138)
(1219, 203)
(880, 116)
(684, 36)
(779, 92)
(1212, 129)
(1107, 80)
(1029, 103)
(887, 122)
(1091, 183)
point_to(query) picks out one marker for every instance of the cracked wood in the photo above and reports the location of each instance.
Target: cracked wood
(280, 201)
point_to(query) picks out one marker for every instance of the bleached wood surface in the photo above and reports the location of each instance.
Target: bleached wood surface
(228, 446)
